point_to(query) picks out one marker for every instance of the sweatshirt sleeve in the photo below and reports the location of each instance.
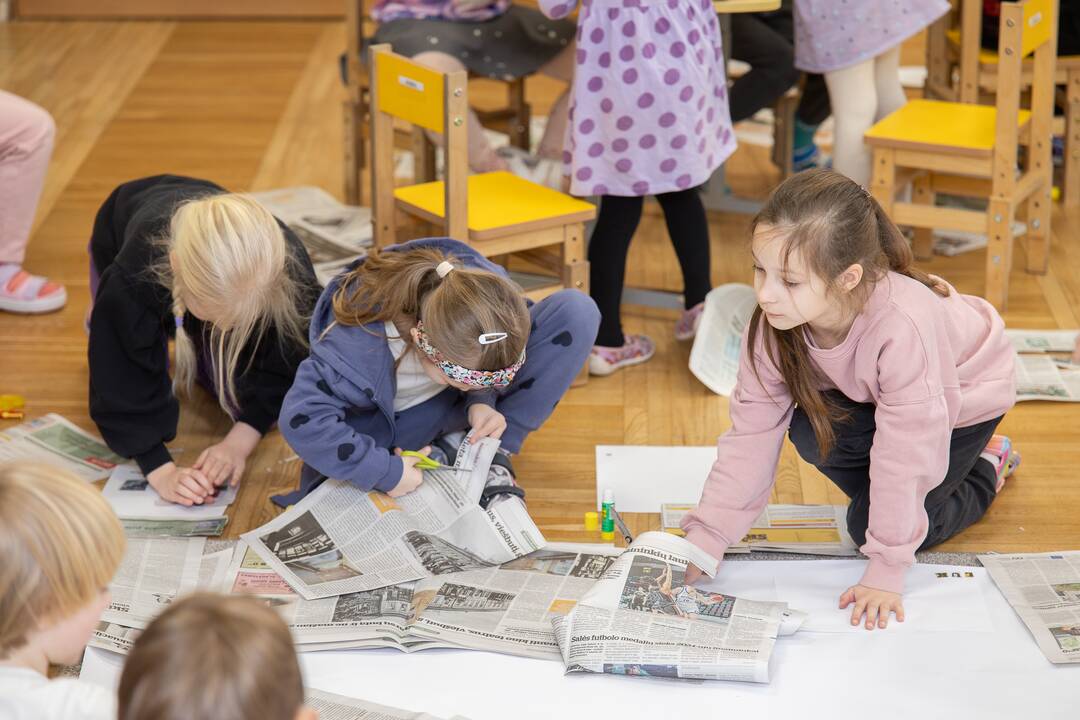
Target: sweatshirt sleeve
(313, 422)
(131, 398)
(741, 479)
(556, 9)
(910, 452)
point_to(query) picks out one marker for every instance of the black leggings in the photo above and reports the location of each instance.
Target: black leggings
(615, 225)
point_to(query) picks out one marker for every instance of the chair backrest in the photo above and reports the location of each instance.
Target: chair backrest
(437, 102)
(1027, 27)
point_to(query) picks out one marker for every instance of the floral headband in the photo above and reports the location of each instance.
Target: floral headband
(475, 378)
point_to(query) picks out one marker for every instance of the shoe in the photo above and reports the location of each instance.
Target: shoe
(686, 327)
(21, 292)
(501, 482)
(540, 170)
(635, 349)
(1000, 453)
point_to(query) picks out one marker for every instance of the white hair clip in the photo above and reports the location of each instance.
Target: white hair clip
(492, 338)
(444, 268)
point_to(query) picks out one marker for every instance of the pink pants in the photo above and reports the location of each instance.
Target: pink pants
(26, 142)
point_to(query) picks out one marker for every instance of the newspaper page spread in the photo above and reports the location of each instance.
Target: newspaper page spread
(334, 234)
(714, 358)
(338, 707)
(132, 498)
(341, 539)
(1044, 589)
(54, 440)
(1042, 341)
(156, 571)
(1043, 368)
(508, 609)
(804, 529)
(641, 618)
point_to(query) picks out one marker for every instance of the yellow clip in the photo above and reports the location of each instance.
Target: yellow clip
(425, 463)
(12, 407)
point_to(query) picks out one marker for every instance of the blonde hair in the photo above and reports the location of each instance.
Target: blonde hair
(212, 657)
(456, 309)
(228, 251)
(61, 545)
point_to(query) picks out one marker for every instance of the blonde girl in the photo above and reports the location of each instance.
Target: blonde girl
(176, 257)
(61, 545)
(884, 377)
(424, 339)
(213, 656)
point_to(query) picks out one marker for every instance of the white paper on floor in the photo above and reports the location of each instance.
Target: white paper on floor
(643, 477)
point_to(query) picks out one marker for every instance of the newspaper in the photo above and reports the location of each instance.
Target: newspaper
(508, 609)
(641, 618)
(338, 707)
(156, 571)
(341, 539)
(804, 529)
(1044, 589)
(714, 359)
(131, 497)
(137, 528)
(54, 440)
(114, 637)
(334, 234)
(1043, 341)
(1039, 377)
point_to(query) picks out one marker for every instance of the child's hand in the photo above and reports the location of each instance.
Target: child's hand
(485, 421)
(411, 476)
(876, 604)
(225, 461)
(182, 485)
(693, 574)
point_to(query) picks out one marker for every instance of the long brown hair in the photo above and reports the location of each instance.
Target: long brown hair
(456, 309)
(834, 223)
(212, 656)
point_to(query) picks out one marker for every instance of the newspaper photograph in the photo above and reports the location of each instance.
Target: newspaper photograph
(132, 498)
(55, 440)
(714, 358)
(338, 707)
(156, 571)
(1039, 377)
(1044, 590)
(341, 539)
(803, 529)
(642, 618)
(334, 234)
(508, 609)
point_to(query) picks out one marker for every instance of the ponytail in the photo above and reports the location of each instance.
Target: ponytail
(897, 250)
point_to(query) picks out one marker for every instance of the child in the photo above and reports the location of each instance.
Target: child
(649, 116)
(211, 657)
(26, 142)
(884, 377)
(423, 339)
(857, 46)
(61, 545)
(178, 257)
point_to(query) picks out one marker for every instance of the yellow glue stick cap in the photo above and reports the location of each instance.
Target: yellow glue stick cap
(592, 520)
(607, 535)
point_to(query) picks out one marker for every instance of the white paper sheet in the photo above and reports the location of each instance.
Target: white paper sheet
(643, 477)
(132, 497)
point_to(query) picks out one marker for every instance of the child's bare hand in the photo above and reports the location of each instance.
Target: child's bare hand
(875, 604)
(485, 421)
(411, 476)
(693, 574)
(222, 463)
(182, 485)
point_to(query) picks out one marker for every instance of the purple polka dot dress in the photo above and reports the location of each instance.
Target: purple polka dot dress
(649, 108)
(836, 34)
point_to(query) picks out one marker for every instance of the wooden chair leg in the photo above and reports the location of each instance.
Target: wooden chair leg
(576, 276)
(883, 183)
(1070, 193)
(999, 251)
(520, 115)
(1038, 230)
(923, 194)
(354, 153)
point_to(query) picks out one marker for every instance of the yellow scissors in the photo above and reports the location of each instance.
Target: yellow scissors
(425, 463)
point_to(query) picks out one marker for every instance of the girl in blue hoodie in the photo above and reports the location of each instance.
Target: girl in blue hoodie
(424, 339)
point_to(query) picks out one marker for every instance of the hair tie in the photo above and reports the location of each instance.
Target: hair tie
(491, 338)
(444, 268)
(179, 320)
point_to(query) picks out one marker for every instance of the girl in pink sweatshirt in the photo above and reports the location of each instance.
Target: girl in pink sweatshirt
(884, 377)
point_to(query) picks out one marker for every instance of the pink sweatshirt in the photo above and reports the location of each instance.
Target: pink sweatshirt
(929, 364)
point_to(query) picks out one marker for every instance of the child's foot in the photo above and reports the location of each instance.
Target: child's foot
(540, 170)
(686, 327)
(634, 350)
(501, 481)
(1000, 453)
(21, 292)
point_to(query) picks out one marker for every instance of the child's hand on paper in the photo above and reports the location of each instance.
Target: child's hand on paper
(875, 604)
(182, 485)
(485, 421)
(411, 476)
(693, 574)
(225, 461)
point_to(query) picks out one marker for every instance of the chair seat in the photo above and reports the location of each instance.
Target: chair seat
(990, 57)
(500, 203)
(940, 126)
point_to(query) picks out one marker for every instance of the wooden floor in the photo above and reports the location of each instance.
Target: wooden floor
(254, 106)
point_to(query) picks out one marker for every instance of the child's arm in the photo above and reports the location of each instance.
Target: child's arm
(556, 9)
(313, 422)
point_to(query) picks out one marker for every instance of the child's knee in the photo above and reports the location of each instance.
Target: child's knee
(34, 127)
(802, 436)
(572, 311)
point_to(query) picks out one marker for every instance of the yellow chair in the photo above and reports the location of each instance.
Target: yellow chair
(497, 213)
(954, 50)
(971, 150)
